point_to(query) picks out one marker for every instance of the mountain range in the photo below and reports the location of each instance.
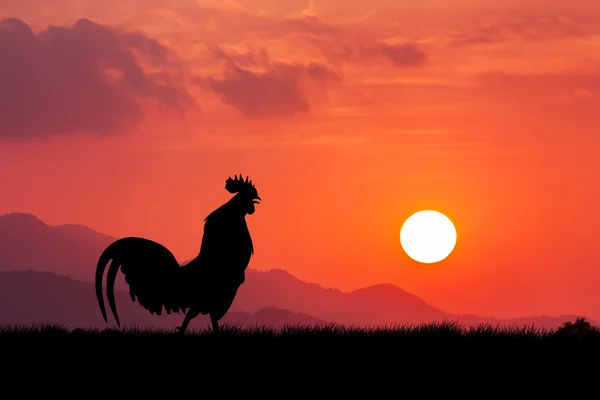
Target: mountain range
(47, 272)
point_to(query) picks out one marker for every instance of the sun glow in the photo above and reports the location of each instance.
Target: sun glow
(428, 236)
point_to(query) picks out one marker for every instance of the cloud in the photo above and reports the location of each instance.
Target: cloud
(343, 43)
(87, 78)
(525, 26)
(51, 98)
(259, 87)
(401, 55)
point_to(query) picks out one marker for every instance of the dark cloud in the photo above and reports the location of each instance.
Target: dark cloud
(269, 89)
(260, 87)
(401, 55)
(278, 91)
(81, 79)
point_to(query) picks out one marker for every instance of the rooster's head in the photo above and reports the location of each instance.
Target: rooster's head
(246, 194)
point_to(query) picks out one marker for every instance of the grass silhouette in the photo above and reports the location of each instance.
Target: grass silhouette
(447, 330)
(336, 357)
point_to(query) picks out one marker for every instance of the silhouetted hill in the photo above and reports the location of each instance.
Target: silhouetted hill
(32, 297)
(378, 304)
(27, 243)
(374, 305)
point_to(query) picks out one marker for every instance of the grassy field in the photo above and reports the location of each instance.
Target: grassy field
(333, 355)
(438, 337)
(450, 331)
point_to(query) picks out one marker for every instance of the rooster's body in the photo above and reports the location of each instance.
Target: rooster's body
(206, 285)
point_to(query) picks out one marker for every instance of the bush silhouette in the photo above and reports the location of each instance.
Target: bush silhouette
(581, 328)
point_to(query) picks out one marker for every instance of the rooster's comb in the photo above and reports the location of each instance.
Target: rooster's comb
(237, 185)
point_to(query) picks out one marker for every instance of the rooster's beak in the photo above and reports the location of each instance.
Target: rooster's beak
(256, 202)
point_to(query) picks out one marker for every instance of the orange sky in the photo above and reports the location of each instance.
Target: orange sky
(348, 116)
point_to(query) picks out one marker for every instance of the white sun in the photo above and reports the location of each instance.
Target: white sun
(428, 236)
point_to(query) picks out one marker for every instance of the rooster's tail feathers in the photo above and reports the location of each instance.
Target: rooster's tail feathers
(148, 268)
(108, 255)
(104, 259)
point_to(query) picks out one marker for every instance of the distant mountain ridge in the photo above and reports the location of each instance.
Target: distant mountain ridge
(33, 297)
(27, 243)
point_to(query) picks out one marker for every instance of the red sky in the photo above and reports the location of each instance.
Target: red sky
(128, 116)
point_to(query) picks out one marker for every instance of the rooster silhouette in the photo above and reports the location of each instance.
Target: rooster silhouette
(206, 285)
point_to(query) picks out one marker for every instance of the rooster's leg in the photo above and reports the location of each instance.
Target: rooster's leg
(191, 314)
(215, 324)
